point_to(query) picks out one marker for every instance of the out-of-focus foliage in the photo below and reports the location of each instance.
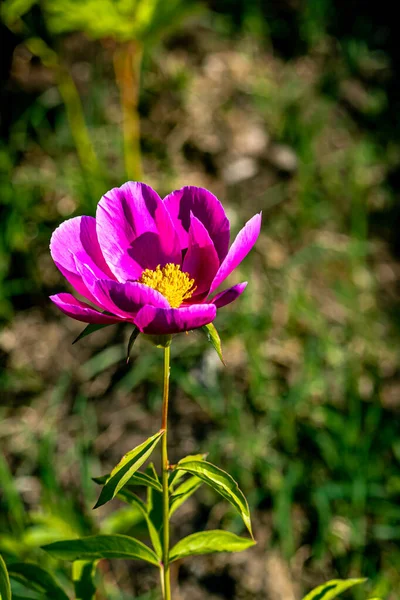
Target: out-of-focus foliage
(293, 112)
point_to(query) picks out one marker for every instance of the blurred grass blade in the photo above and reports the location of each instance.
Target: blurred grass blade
(183, 492)
(83, 573)
(127, 466)
(207, 542)
(96, 547)
(37, 579)
(332, 589)
(222, 483)
(5, 588)
(214, 339)
(91, 328)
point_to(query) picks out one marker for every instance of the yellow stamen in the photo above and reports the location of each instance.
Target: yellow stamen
(171, 282)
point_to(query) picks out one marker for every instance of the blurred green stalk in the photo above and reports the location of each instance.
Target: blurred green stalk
(127, 67)
(76, 119)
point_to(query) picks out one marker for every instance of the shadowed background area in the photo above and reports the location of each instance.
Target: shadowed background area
(282, 106)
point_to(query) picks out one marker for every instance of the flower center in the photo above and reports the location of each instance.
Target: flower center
(171, 282)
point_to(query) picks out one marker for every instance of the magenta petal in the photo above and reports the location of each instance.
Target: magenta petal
(201, 260)
(78, 236)
(135, 231)
(80, 310)
(229, 295)
(126, 299)
(161, 321)
(245, 240)
(206, 208)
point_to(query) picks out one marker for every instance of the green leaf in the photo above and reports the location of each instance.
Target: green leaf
(183, 492)
(96, 547)
(176, 475)
(37, 579)
(222, 483)
(332, 589)
(83, 573)
(131, 498)
(5, 588)
(214, 339)
(132, 340)
(91, 328)
(127, 466)
(207, 542)
(138, 479)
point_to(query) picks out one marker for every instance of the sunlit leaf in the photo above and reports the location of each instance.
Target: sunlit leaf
(214, 339)
(222, 483)
(5, 588)
(175, 475)
(83, 573)
(127, 466)
(37, 579)
(138, 479)
(207, 542)
(332, 589)
(91, 328)
(96, 547)
(183, 492)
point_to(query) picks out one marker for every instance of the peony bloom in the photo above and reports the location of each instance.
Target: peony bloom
(149, 261)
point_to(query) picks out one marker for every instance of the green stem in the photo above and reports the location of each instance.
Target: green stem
(127, 66)
(166, 580)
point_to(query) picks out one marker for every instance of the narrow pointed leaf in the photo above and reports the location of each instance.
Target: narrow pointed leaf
(37, 579)
(176, 475)
(96, 547)
(214, 339)
(207, 542)
(83, 573)
(332, 589)
(222, 483)
(132, 340)
(91, 328)
(183, 492)
(128, 496)
(5, 588)
(127, 466)
(138, 479)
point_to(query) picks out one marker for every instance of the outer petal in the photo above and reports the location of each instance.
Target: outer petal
(80, 310)
(160, 321)
(245, 240)
(207, 208)
(78, 236)
(126, 299)
(201, 260)
(229, 295)
(135, 231)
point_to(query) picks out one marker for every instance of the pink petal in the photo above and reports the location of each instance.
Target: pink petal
(135, 231)
(207, 208)
(80, 310)
(229, 295)
(126, 299)
(245, 240)
(78, 236)
(201, 260)
(161, 321)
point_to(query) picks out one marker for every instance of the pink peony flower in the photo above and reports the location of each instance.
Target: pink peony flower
(149, 261)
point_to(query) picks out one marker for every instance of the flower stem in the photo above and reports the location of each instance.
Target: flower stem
(166, 582)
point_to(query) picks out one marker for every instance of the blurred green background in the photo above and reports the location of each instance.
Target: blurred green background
(283, 106)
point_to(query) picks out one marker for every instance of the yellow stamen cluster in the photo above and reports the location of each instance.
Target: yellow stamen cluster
(171, 282)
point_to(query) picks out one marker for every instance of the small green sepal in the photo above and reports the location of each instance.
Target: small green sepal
(133, 337)
(159, 341)
(89, 329)
(214, 339)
